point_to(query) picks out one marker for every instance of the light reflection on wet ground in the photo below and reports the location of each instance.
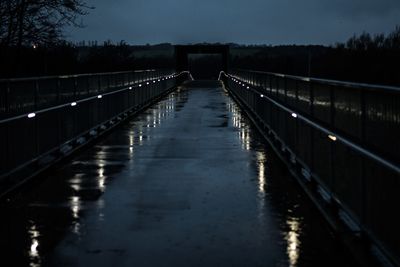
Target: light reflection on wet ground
(187, 183)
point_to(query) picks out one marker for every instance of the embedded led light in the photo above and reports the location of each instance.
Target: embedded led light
(332, 137)
(140, 85)
(99, 96)
(147, 83)
(262, 96)
(73, 104)
(31, 115)
(130, 87)
(154, 81)
(159, 80)
(294, 115)
(248, 87)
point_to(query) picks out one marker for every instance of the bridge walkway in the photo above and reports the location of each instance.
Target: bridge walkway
(187, 183)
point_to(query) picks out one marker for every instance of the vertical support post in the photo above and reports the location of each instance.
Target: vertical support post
(332, 144)
(58, 111)
(312, 130)
(363, 173)
(35, 120)
(7, 130)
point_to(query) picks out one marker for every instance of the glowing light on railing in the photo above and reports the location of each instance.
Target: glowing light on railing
(294, 115)
(31, 115)
(130, 87)
(34, 246)
(75, 206)
(73, 104)
(99, 96)
(262, 96)
(332, 137)
(140, 85)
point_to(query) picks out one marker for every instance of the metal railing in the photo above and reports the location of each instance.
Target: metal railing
(43, 118)
(344, 137)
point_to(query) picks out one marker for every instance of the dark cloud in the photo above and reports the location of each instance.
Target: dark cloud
(250, 21)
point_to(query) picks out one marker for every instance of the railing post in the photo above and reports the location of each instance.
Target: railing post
(364, 209)
(312, 145)
(58, 112)
(7, 100)
(332, 143)
(35, 120)
(311, 99)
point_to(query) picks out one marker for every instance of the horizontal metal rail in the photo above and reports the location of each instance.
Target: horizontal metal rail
(328, 81)
(359, 184)
(30, 140)
(330, 134)
(75, 103)
(74, 75)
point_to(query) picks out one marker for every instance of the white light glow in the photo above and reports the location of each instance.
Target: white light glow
(147, 83)
(294, 115)
(99, 96)
(140, 85)
(75, 207)
(130, 87)
(332, 137)
(293, 241)
(262, 96)
(73, 104)
(34, 251)
(31, 115)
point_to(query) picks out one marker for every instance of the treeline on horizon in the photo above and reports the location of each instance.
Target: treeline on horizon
(363, 58)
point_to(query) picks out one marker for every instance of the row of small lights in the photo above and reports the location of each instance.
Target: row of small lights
(294, 115)
(73, 104)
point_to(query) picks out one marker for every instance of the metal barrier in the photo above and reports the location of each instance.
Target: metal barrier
(343, 138)
(42, 119)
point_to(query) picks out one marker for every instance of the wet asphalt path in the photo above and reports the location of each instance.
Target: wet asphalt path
(187, 183)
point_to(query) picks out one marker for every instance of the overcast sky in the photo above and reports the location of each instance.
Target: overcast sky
(239, 21)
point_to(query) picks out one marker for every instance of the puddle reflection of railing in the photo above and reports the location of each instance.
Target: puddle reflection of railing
(292, 225)
(34, 256)
(293, 241)
(96, 180)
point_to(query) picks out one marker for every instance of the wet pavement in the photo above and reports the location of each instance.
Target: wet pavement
(187, 183)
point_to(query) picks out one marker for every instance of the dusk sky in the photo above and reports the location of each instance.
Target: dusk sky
(239, 21)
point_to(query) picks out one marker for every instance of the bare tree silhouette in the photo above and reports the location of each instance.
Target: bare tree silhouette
(37, 22)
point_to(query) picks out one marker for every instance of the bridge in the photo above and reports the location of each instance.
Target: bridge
(154, 168)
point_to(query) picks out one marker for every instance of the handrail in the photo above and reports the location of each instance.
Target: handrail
(74, 75)
(328, 81)
(74, 103)
(331, 134)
